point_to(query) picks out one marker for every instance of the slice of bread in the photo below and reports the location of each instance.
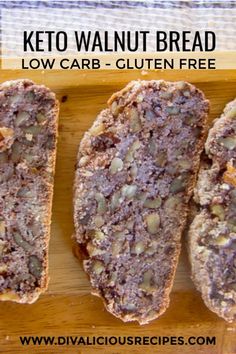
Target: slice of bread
(28, 131)
(212, 234)
(135, 174)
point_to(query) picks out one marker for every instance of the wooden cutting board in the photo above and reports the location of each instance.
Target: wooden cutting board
(67, 308)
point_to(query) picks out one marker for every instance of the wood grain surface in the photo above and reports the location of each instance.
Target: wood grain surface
(67, 308)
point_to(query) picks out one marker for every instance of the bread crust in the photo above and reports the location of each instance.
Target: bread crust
(131, 301)
(211, 237)
(13, 91)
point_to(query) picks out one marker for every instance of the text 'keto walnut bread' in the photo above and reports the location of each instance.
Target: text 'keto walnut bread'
(212, 235)
(28, 130)
(135, 173)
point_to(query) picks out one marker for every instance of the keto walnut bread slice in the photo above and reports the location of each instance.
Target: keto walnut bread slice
(135, 174)
(28, 130)
(212, 235)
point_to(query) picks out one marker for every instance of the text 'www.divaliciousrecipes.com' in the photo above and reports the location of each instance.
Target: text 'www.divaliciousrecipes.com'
(117, 340)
